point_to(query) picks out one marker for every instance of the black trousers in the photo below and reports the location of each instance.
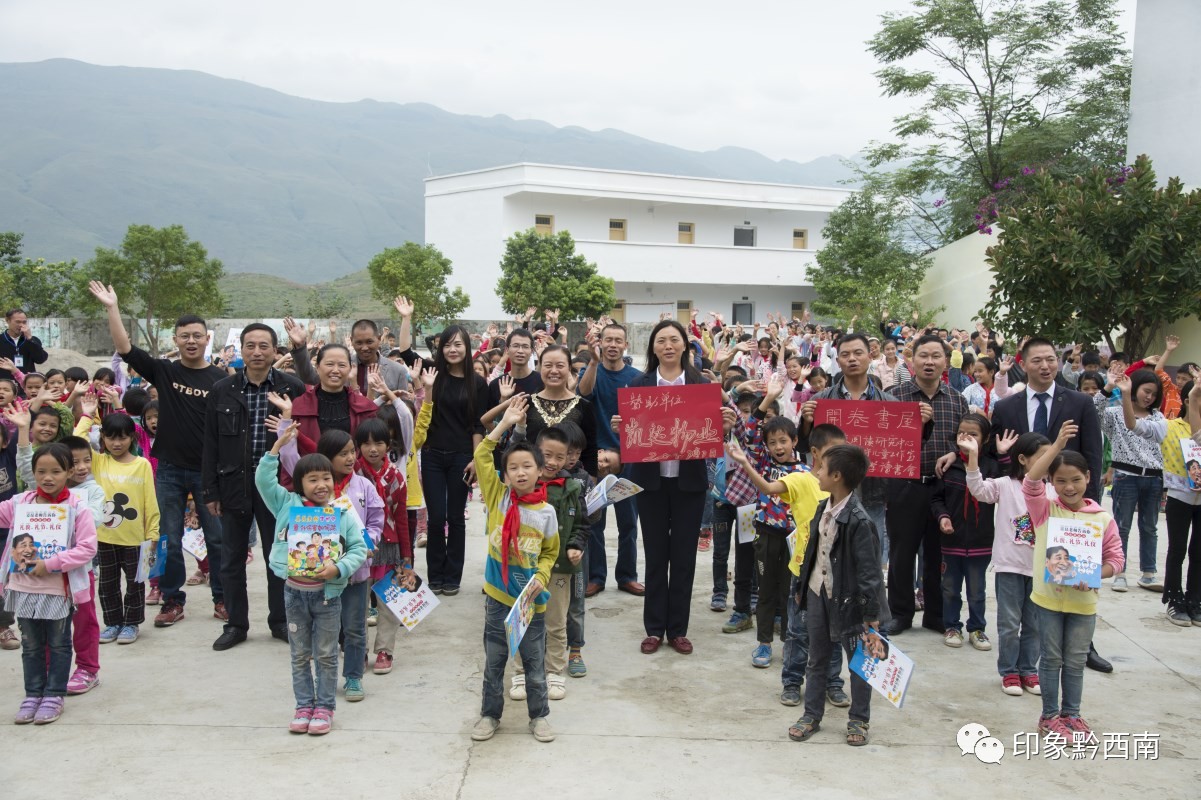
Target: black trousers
(911, 525)
(671, 526)
(1183, 519)
(771, 565)
(725, 538)
(236, 528)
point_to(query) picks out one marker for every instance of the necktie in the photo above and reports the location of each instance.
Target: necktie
(1040, 413)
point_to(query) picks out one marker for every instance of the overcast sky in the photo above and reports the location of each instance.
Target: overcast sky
(790, 79)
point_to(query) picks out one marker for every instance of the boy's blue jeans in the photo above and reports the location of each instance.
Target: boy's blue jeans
(1017, 625)
(575, 611)
(313, 624)
(354, 628)
(956, 571)
(796, 648)
(45, 677)
(1064, 639)
(172, 484)
(496, 655)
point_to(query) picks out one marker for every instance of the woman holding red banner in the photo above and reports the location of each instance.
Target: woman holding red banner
(670, 504)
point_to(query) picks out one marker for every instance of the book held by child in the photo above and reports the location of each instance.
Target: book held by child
(889, 675)
(39, 532)
(313, 540)
(611, 489)
(518, 620)
(193, 542)
(1073, 552)
(406, 596)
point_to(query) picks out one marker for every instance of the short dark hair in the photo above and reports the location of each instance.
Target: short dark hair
(1117, 355)
(521, 447)
(553, 434)
(849, 461)
(576, 440)
(1038, 341)
(1090, 359)
(332, 442)
(135, 401)
(191, 319)
(259, 326)
(74, 443)
(981, 422)
(117, 426)
(777, 424)
(823, 435)
(1145, 376)
(1026, 445)
(9, 314)
(77, 374)
(364, 324)
(1094, 376)
(56, 450)
(851, 337)
(519, 332)
(931, 338)
(372, 429)
(313, 462)
(614, 325)
(1069, 458)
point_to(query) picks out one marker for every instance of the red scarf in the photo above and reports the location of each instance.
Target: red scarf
(340, 486)
(510, 530)
(390, 485)
(61, 497)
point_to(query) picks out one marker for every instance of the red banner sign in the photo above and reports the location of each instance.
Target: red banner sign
(670, 423)
(890, 433)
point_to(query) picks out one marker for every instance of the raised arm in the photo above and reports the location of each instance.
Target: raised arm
(301, 361)
(404, 333)
(116, 328)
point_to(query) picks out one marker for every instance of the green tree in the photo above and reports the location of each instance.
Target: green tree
(418, 272)
(1000, 85)
(1109, 250)
(865, 267)
(546, 272)
(10, 248)
(159, 274)
(326, 305)
(41, 288)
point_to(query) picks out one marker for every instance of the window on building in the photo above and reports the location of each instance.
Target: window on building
(800, 239)
(742, 314)
(544, 224)
(744, 237)
(686, 233)
(617, 230)
(798, 310)
(684, 312)
(618, 314)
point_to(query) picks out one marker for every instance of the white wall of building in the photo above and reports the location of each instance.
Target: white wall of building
(645, 301)
(959, 279)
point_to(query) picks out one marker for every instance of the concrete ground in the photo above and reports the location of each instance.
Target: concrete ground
(175, 718)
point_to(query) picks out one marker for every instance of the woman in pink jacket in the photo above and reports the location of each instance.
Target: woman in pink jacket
(42, 582)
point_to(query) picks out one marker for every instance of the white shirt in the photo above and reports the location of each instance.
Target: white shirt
(669, 469)
(1032, 406)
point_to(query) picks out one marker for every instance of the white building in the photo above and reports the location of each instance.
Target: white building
(669, 242)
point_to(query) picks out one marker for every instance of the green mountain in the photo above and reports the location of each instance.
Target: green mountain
(270, 183)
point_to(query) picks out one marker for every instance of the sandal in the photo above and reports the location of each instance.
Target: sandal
(857, 735)
(803, 728)
(198, 577)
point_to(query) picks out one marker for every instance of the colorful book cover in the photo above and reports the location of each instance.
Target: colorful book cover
(406, 596)
(313, 540)
(344, 503)
(889, 675)
(38, 532)
(610, 490)
(193, 542)
(518, 620)
(152, 559)
(1073, 552)
(1192, 463)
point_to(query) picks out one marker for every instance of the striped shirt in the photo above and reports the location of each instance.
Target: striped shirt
(949, 408)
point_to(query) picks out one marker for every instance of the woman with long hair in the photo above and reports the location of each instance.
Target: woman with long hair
(459, 397)
(670, 505)
(557, 403)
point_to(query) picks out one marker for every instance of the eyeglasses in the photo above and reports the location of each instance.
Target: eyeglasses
(191, 337)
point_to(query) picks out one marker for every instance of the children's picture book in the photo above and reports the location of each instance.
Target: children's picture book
(1192, 463)
(347, 508)
(152, 559)
(406, 596)
(1073, 552)
(610, 490)
(518, 620)
(38, 532)
(313, 539)
(889, 675)
(746, 523)
(193, 542)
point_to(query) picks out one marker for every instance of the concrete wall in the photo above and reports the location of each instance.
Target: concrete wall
(959, 279)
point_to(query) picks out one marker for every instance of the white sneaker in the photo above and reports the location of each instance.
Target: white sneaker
(1119, 584)
(556, 686)
(517, 692)
(979, 640)
(485, 729)
(541, 730)
(1148, 581)
(952, 638)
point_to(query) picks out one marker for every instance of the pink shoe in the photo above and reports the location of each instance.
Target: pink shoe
(1050, 725)
(1077, 725)
(27, 711)
(82, 682)
(154, 597)
(301, 720)
(1030, 684)
(50, 710)
(322, 721)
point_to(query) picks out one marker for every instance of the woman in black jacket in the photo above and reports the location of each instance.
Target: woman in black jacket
(670, 505)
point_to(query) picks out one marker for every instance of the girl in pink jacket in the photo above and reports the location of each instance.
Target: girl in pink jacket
(41, 584)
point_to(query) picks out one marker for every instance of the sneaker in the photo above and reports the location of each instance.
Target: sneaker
(837, 698)
(517, 691)
(979, 640)
(50, 709)
(952, 638)
(1149, 582)
(300, 720)
(322, 721)
(556, 686)
(27, 711)
(421, 543)
(154, 596)
(450, 591)
(485, 729)
(718, 603)
(354, 690)
(1012, 685)
(82, 682)
(576, 667)
(9, 640)
(128, 634)
(1178, 614)
(737, 623)
(172, 613)
(1054, 724)
(541, 730)
(219, 611)
(1077, 725)
(383, 663)
(109, 634)
(761, 656)
(791, 696)
(372, 617)
(704, 542)
(1194, 611)
(1119, 584)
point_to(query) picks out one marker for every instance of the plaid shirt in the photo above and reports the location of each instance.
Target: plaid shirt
(258, 406)
(938, 436)
(739, 489)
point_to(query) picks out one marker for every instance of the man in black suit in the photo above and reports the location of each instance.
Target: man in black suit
(1043, 406)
